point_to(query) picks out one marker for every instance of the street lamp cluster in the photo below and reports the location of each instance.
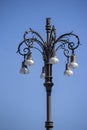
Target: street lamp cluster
(53, 60)
(27, 62)
(67, 42)
(70, 66)
(50, 46)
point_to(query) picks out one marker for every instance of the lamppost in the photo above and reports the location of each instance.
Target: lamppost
(67, 42)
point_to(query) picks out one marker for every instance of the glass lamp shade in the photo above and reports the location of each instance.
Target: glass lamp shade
(24, 69)
(54, 60)
(43, 73)
(68, 71)
(29, 62)
(73, 63)
(42, 76)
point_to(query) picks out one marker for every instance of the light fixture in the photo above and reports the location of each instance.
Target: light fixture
(54, 59)
(48, 47)
(29, 60)
(73, 63)
(24, 69)
(43, 73)
(68, 71)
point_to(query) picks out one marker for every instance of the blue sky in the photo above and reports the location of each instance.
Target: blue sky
(22, 97)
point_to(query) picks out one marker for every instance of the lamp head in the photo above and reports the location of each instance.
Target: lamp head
(43, 73)
(54, 59)
(29, 60)
(68, 71)
(24, 69)
(73, 63)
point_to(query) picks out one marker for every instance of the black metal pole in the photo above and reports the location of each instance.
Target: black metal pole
(48, 84)
(48, 79)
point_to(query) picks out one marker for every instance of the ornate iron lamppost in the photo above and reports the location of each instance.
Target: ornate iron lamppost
(67, 42)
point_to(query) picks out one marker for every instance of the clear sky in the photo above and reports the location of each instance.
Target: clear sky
(22, 97)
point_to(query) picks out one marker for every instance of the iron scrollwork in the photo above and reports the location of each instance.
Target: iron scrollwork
(68, 42)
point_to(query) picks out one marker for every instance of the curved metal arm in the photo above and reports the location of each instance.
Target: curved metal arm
(41, 41)
(27, 44)
(72, 45)
(23, 48)
(66, 43)
(65, 39)
(66, 53)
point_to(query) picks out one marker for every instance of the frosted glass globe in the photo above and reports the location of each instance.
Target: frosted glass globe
(54, 60)
(29, 62)
(68, 72)
(73, 65)
(24, 70)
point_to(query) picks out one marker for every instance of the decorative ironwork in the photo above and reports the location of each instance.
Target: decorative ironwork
(62, 42)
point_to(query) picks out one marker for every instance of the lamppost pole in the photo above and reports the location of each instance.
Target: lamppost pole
(67, 42)
(48, 79)
(48, 84)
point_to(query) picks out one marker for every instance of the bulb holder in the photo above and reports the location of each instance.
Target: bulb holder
(24, 68)
(29, 60)
(73, 63)
(42, 76)
(68, 71)
(54, 60)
